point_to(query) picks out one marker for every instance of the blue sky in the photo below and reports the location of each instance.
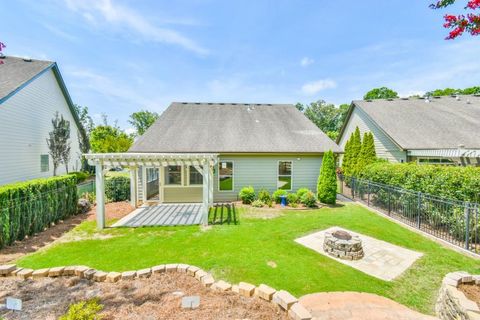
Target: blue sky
(121, 56)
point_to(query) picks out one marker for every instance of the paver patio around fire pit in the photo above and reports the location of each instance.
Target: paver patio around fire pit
(381, 259)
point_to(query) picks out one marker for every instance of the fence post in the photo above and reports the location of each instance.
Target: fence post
(353, 188)
(467, 225)
(389, 200)
(419, 208)
(368, 193)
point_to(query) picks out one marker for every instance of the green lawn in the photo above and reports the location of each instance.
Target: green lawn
(242, 253)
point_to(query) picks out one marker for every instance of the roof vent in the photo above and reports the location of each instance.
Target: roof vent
(369, 100)
(234, 104)
(404, 98)
(197, 102)
(209, 103)
(269, 104)
(476, 95)
(2, 56)
(468, 102)
(184, 102)
(221, 103)
(436, 97)
(258, 104)
(27, 59)
(389, 99)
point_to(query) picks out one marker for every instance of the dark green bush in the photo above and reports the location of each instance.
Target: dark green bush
(264, 196)
(29, 207)
(277, 194)
(117, 188)
(309, 199)
(460, 183)
(292, 198)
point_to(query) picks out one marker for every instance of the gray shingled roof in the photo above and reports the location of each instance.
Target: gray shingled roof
(15, 72)
(232, 128)
(442, 123)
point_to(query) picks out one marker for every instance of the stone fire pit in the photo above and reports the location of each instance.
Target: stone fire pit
(343, 245)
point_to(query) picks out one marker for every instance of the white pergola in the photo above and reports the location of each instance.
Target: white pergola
(203, 162)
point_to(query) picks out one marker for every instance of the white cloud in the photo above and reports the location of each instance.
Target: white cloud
(315, 87)
(95, 11)
(60, 33)
(130, 130)
(306, 61)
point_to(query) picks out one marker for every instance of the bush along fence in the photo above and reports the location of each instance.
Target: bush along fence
(116, 189)
(29, 207)
(451, 220)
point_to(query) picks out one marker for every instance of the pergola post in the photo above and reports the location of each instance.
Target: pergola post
(206, 193)
(133, 186)
(100, 195)
(210, 187)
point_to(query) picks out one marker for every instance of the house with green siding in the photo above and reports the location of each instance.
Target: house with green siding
(271, 146)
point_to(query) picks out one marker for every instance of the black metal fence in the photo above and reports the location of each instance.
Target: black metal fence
(451, 220)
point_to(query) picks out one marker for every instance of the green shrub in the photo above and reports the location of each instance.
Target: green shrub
(247, 195)
(327, 180)
(258, 203)
(301, 192)
(84, 310)
(269, 203)
(460, 183)
(277, 194)
(117, 188)
(29, 207)
(292, 199)
(309, 199)
(264, 195)
(81, 176)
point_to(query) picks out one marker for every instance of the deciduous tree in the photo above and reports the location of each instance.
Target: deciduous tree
(460, 23)
(142, 120)
(58, 142)
(380, 93)
(107, 138)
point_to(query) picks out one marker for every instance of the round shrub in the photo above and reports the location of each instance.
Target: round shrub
(258, 203)
(277, 194)
(247, 195)
(309, 199)
(292, 198)
(264, 196)
(301, 192)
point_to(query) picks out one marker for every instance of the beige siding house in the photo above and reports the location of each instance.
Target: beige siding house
(266, 146)
(436, 130)
(31, 92)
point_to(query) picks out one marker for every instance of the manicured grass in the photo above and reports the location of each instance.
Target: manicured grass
(242, 253)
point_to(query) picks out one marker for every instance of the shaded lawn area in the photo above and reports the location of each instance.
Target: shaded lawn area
(245, 252)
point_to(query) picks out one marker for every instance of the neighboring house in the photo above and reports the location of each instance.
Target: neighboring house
(31, 92)
(437, 130)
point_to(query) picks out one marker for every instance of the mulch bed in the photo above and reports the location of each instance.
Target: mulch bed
(471, 291)
(114, 210)
(158, 297)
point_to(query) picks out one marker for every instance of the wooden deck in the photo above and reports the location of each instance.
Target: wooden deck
(175, 214)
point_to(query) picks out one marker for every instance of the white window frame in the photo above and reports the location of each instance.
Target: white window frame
(233, 175)
(279, 175)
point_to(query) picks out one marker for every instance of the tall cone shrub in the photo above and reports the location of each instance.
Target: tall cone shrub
(327, 180)
(29, 207)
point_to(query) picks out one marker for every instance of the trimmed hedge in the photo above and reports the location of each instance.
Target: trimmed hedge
(460, 183)
(29, 207)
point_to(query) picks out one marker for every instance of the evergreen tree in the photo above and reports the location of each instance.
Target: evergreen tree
(327, 180)
(367, 153)
(346, 158)
(356, 147)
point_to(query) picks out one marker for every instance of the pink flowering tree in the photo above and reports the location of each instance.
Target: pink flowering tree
(459, 24)
(2, 46)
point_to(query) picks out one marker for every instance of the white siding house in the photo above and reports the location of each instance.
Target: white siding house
(30, 95)
(434, 130)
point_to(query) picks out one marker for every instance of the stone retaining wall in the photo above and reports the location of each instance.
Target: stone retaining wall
(452, 304)
(282, 298)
